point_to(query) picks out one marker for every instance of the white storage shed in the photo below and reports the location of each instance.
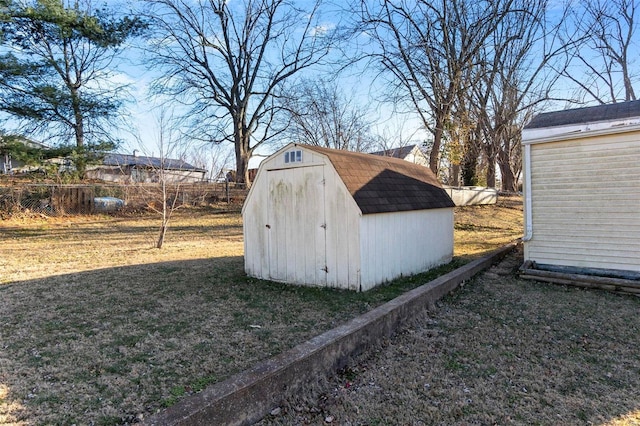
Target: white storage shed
(582, 190)
(324, 217)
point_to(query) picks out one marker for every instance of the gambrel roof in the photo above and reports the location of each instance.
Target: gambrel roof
(592, 114)
(385, 184)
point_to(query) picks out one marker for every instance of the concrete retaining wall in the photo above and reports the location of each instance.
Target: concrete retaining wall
(472, 195)
(250, 395)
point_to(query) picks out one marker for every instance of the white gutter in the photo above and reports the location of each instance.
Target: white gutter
(528, 216)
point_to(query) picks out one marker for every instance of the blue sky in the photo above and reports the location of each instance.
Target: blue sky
(143, 130)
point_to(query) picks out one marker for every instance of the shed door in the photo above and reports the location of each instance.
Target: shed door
(296, 225)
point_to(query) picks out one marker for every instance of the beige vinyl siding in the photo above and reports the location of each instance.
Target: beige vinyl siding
(586, 202)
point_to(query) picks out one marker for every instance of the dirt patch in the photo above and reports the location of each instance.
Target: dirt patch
(98, 327)
(498, 351)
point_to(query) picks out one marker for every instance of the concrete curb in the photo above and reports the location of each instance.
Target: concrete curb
(250, 395)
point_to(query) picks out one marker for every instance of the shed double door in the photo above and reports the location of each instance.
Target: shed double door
(296, 225)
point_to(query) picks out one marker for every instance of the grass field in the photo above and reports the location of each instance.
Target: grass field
(98, 327)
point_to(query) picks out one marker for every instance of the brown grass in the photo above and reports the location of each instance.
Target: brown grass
(479, 229)
(499, 351)
(98, 327)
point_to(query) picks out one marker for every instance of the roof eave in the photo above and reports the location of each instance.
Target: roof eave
(579, 131)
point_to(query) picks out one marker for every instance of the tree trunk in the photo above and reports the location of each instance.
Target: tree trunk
(491, 173)
(455, 175)
(491, 165)
(508, 178)
(78, 128)
(161, 234)
(242, 164)
(78, 124)
(434, 156)
(165, 219)
(469, 165)
(242, 139)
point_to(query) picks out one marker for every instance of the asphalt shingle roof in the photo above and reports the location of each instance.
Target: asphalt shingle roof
(385, 184)
(151, 162)
(615, 111)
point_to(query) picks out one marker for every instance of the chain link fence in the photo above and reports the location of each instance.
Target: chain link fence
(60, 200)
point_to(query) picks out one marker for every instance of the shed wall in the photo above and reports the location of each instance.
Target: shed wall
(404, 243)
(343, 234)
(586, 202)
(295, 225)
(313, 233)
(254, 221)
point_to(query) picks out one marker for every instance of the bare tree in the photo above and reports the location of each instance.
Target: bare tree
(228, 61)
(516, 74)
(172, 148)
(608, 52)
(393, 135)
(320, 114)
(214, 158)
(428, 47)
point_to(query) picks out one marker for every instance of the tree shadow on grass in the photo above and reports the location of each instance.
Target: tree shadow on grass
(114, 344)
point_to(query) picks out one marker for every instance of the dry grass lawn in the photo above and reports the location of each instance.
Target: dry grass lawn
(499, 351)
(97, 327)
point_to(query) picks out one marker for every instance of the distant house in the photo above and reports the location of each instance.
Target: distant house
(125, 168)
(582, 189)
(410, 153)
(10, 165)
(324, 217)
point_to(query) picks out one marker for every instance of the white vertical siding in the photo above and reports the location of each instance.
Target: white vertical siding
(404, 243)
(343, 230)
(586, 202)
(318, 236)
(287, 248)
(254, 220)
(313, 232)
(295, 225)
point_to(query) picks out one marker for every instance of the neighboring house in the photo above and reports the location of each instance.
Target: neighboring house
(461, 196)
(582, 190)
(140, 169)
(324, 217)
(10, 165)
(410, 153)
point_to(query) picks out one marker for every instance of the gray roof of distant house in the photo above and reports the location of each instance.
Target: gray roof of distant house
(381, 184)
(607, 112)
(400, 152)
(125, 160)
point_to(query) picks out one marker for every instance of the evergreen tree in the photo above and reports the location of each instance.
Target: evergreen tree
(56, 66)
